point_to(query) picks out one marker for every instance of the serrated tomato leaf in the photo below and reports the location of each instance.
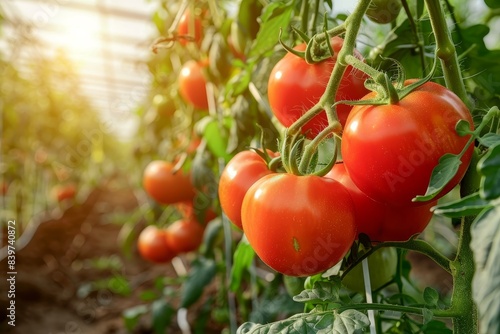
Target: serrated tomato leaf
(347, 322)
(485, 284)
(489, 167)
(490, 139)
(441, 175)
(431, 297)
(466, 206)
(275, 16)
(322, 292)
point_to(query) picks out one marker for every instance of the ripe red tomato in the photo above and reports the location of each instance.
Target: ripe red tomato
(298, 225)
(152, 245)
(382, 265)
(390, 151)
(382, 222)
(184, 235)
(192, 84)
(243, 170)
(63, 192)
(295, 86)
(189, 26)
(167, 187)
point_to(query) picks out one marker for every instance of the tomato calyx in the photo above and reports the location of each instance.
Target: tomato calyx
(301, 158)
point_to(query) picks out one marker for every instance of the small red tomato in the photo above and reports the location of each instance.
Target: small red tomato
(189, 29)
(243, 170)
(295, 86)
(184, 235)
(165, 186)
(192, 84)
(63, 192)
(152, 245)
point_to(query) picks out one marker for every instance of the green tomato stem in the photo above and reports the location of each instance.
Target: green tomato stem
(421, 246)
(463, 271)
(396, 308)
(446, 52)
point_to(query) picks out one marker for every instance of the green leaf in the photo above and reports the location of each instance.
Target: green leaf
(490, 139)
(489, 167)
(210, 236)
(463, 128)
(431, 297)
(485, 284)
(436, 327)
(243, 257)
(467, 206)
(201, 274)
(321, 293)
(132, 315)
(148, 295)
(441, 175)
(318, 323)
(275, 16)
(349, 321)
(492, 3)
(162, 313)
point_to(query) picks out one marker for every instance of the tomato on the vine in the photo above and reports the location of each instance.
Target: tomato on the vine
(390, 150)
(189, 28)
(382, 222)
(165, 186)
(382, 266)
(298, 225)
(242, 171)
(152, 245)
(383, 11)
(295, 86)
(184, 235)
(192, 84)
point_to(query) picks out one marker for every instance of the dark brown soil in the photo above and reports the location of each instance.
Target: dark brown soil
(54, 266)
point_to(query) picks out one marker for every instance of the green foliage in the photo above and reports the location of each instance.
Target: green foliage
(201, 274)
(486, 286)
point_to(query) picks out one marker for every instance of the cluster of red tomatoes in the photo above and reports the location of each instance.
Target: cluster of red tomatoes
(303, 225)
(169, 187)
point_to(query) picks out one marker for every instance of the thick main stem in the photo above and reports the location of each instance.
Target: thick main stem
(463, 271)
(445, 50)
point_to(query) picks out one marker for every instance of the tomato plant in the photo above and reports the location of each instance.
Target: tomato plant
(165, 185)
(288, 221)
(242, 171)
(184, 235)
(382, 222)
(295, 86)
(190, 28)
(192, 84)
(391, 150)
(382, 264)
(152, 245)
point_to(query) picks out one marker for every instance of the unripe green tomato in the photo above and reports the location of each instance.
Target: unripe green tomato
(382, 264)
(293, 285)
(383, 11)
